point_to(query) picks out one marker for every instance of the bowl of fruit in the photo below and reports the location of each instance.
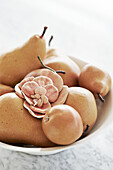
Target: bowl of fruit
(50, 102)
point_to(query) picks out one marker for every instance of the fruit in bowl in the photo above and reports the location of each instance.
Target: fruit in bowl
(62, 124)
(49, 111)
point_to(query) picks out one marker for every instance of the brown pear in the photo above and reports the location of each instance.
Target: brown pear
(62, 125)
(5, 89)
(17, 126)
(19, 62)
(83, 101)
(58, 61)
(96, 80)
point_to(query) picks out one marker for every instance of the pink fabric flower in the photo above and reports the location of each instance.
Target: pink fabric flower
(42, 92)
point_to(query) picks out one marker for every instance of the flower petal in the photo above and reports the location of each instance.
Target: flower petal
(43, 80)
(42, 109)
(18, 91)
(34, 114)
(62, 96)
(44, 99)
(29, 88)
(57, 80)
(28, 99)
(52, 93)
(40, 90)
(25, 80)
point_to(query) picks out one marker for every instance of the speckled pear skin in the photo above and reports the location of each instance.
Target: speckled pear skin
(62, 124)
(19, 62)
(5, 89)
(58, 61)
(84, 102)
(17, 126)
(65, 64)
(95, 79)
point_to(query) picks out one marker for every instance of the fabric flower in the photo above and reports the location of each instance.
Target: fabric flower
(42, 92)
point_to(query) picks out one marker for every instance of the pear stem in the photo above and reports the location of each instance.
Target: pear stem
(60, 71)
(45, 28)
(87, 127)
(49, 43)
(45, 65)
(100, 97)
(63, 72)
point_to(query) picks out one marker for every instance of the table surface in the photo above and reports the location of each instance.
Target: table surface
(81, 28)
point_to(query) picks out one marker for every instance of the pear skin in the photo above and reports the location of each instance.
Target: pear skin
(17, 126)
(70, 78)
(5, 89)
(95, 79)
(19, 62)
(62, 125)
(84, 102)
(34, 73)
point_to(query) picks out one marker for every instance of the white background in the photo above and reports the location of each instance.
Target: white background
(80, 28)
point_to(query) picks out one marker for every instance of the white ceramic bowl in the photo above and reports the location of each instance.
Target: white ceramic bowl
(105, 118)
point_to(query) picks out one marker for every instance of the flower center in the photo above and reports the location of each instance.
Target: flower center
(39, 98)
